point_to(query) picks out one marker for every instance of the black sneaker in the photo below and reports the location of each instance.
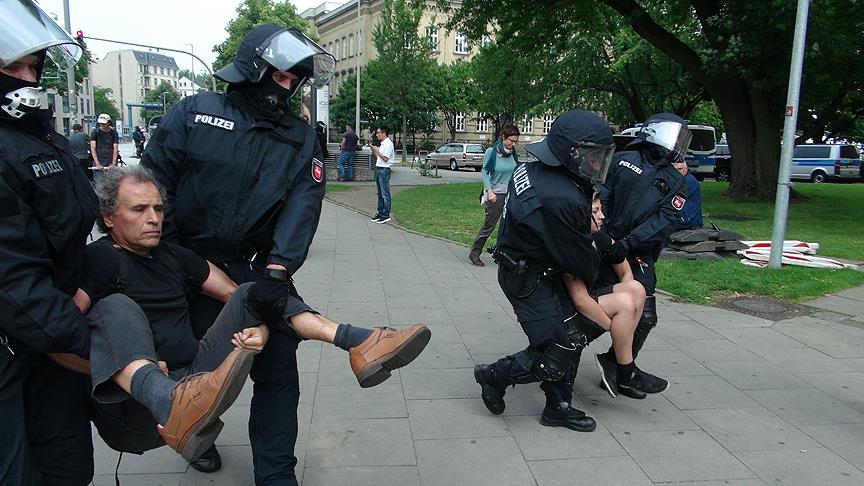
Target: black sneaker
(375, 219)
(608, 373)
(647, 383)
(567, 416)
(208, 462)
(627, 389)
(491, 392)
(383, 219)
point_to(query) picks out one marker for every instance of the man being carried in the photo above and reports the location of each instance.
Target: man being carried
(154, 357)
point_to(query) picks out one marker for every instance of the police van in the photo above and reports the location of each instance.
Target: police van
(822, 162)
(700, 154)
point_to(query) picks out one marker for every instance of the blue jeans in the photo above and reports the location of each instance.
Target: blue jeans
(382, 182)
(346, 165)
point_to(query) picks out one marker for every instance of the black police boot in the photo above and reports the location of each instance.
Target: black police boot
(608, 373)
(563, 415)
(208, 462)
(492, 385)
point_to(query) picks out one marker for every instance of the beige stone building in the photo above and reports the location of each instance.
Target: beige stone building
(337, 29)
(63, 116)
(131, 74)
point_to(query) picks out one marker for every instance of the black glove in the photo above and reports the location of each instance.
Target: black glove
(267, 298)
(619, 251)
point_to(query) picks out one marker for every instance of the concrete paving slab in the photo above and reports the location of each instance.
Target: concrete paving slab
(140, 480)
(360, 442)
(543, 443)
(670, 363)
(383, 401)
(843, 386)
(707, 350)
(701, 392)
(477, 462)
(683, 456)
(442, 383)
(236, 469)
(836, 303)
(454, 419)
(654, 413)
(856, 293)
(682, 331)
(751, 429)
(807, 407)
(714, 318)
(844, 440)
(362, 476)
(755, 375)
(803, 360)
(804, 468)
(596, 471)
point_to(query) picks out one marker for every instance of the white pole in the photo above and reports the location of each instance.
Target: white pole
(781, 204)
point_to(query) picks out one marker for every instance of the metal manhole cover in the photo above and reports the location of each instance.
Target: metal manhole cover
(764, 307)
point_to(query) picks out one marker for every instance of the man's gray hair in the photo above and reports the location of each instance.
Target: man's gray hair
(109, 185)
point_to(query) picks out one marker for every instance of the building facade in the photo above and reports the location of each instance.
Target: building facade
(63, 117)
(187, 87)
(129, 75)
(337, 30)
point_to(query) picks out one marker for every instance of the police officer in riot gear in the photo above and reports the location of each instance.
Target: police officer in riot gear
(47, 209)
(244, 179)
(642, 198)
(545, 231)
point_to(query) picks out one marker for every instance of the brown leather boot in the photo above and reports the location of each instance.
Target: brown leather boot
(197, 402)
(386, 350)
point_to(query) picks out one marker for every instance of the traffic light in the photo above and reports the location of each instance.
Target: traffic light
(80, 37)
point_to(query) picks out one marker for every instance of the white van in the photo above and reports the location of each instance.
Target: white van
(700, 154)
(820, 163)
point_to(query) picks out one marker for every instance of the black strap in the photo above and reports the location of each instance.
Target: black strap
(117, 470)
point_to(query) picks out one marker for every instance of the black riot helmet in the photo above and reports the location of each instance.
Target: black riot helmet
(27, 30)
(668, 137)
(580, 141)
(271, 47)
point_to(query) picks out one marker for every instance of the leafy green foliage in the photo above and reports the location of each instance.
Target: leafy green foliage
(255, 12)
(166, 93)
(454, 91)
(55, 78)
(103, 104)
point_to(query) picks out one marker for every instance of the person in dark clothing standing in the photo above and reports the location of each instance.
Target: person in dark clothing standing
(47, 209)
(545, 231)
(643, 198)
(347, 148)
(321, 133)
(244, 182)
(139, 139)
(691, 215)
(79, 143)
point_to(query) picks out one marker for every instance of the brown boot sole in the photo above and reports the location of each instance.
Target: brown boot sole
(204, 433)
(379, 370)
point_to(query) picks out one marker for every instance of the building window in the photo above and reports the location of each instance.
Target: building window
(486, 40)
(360, 42)
(407, 42)
(460, 122)
(344, 47)
(461, 44)
(432, 37)
(338, 52)
(547, 123)
(350, 45)
(142, 92)
(482, 123)
(527, 126)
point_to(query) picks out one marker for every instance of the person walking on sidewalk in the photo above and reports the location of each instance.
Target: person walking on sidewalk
(498, 164)
(347, 148)
(104, 144)
(385, 155)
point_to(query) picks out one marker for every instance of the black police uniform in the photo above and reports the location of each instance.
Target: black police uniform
(545, 230)
(244, 193)
(642, 200)
(47, 209)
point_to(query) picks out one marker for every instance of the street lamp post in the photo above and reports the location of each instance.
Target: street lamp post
(192, 50)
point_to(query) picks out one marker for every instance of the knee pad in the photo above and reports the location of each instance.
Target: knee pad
(556, 362)
(647, 322)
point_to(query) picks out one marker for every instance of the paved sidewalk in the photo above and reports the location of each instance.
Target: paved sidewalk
(751, 402)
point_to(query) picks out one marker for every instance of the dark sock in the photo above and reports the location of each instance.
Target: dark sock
(348, 336)
(153, 389)
(625, 371)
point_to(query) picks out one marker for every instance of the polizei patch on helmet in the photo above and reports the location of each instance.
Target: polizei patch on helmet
(317, 170)
(215, 121)
(520, 179)
(678, 202)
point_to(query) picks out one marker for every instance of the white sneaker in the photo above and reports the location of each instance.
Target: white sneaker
(383, 220)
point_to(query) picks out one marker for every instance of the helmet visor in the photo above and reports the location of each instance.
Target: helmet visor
(593, 160)
(670, 135)
(28, 30)
(290, 50)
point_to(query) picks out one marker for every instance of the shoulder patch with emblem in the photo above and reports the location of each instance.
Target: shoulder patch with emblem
(678, 202)
(215, 121)
(317, 170)
(520, 179)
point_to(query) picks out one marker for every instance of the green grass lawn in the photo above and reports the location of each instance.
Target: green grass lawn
(337, 187)
(829, 216)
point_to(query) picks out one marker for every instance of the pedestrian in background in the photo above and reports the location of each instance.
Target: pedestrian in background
(346, 157)
(103, 145)
(498, 164)
(78, 144)
(691, 215)
(384, 155)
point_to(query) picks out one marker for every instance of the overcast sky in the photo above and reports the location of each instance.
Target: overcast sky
(164, 23)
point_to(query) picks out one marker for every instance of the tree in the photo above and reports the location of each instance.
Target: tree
(164, 93)
(251, 13)
(55, 78)
(400, 80)
(342, 110)
(454, 92)
(103, 104)
(737, 50)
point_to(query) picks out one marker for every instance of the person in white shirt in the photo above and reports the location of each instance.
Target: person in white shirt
(385, 157)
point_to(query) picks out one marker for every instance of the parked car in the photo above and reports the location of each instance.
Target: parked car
(723, 164)
(456, 155)
(821, 162)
